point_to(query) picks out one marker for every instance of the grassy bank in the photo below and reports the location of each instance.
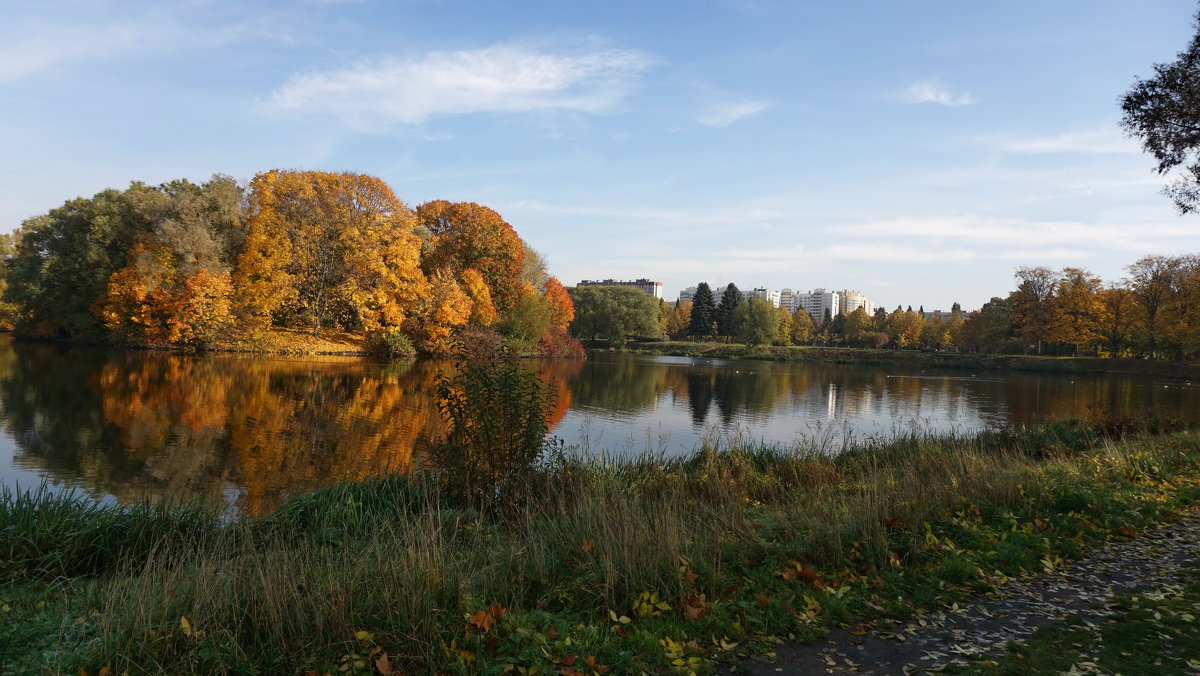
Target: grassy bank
(916, 359)
(655, 566)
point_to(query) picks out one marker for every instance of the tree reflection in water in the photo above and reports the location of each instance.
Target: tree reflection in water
(248, 431)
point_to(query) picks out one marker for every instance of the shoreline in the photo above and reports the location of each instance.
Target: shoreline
(961, 361)
(1174, 370)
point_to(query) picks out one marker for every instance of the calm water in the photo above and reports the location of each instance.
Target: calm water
(249, 431)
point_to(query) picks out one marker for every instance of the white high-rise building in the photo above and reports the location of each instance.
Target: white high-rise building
(819, 302)
(789, 300)
(771, 297)
(850, 301)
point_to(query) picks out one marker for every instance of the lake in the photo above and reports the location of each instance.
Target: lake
(249, 431)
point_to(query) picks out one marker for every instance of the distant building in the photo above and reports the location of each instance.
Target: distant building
(818, 303)
(689, 293)
(849, 301)
(771, 297)
(789, 300)
(650, 287)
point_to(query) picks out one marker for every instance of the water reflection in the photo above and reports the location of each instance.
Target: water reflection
(241, 430)
(248, 431)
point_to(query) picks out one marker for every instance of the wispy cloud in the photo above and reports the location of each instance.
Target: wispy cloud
(933, 91)
(1099, 141)
(31, 47)
(725, 113)
(500, 78)
(42, 48)
(994, 237)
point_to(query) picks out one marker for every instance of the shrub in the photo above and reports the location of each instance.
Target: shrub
(497, 414)
(392, 343)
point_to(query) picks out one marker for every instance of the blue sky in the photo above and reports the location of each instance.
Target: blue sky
(915, 151)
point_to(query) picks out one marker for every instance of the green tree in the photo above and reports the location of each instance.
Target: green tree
(1164, 113)
(617, 313)
(731, 298)
(528, 319)
(756, 322)
(63, 262)
(9, 312)
(836, 327)
(703, 322)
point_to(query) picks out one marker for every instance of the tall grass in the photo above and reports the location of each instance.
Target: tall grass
(393, 558)
(47, 533)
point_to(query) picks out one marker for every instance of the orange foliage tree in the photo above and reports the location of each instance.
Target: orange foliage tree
(443, 308)
(327, 249)
(467, 235)
(483, 311)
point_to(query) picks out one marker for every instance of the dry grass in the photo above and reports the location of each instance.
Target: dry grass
(296, 589)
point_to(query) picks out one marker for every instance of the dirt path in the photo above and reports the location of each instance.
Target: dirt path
(987, 625)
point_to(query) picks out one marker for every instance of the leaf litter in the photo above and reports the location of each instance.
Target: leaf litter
(1084, 592)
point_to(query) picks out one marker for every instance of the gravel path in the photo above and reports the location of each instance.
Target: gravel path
(988, 624)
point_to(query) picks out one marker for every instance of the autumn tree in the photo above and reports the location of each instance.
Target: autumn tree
(703, 322)
(468, 235)
(1031, 305)
(557, 340)
(731, 298)
(785, 327)
(1119, 320)
(802, 327)
(680, 317)
(904, 328)
(1077, 312)
(1182, 312)
(483, 312)
(442, 308)
(62, 270)
(1151, 279)
(562, 308)
(990, 328)
(327, 249)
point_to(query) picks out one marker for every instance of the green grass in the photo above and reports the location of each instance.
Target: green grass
(649, 565)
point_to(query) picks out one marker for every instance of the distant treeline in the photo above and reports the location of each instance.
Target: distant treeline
(220, 264)
(1154, 312)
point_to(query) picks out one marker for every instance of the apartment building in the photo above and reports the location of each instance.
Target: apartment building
(651, 287)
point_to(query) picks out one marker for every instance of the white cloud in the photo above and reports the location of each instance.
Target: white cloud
(994, 237)
(41, 49)
(1098, 141)
(932, 91)
(501, 78)
(34, 46)
(726, 113)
